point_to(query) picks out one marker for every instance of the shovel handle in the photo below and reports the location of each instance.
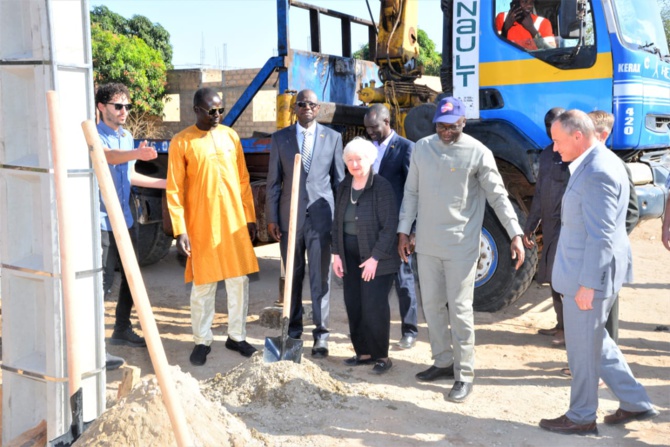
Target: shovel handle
(292, 224)
(137, 287)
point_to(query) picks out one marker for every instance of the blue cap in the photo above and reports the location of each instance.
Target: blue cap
(449, 110)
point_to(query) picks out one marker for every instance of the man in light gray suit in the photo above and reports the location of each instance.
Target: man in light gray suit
(593, 260)
(323, 169)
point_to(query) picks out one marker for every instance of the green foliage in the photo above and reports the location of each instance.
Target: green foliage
(134, 52)
(665, 16)
(130, 61)
(153, 34)
(363, 53)
(428, 56)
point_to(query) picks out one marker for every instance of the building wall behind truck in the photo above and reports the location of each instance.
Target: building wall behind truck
(259, 116)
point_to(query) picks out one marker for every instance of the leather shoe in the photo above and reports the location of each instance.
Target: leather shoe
(622, 416)
(565, 426)
(460, 391)
(243, 347)
(382, 366)
(199, 355)
(551, 332)
(434, 373)
(113, 362)
(560, 338)
(356, 360)
(320, 349)
(407, 342)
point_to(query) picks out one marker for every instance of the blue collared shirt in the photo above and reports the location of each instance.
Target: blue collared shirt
(121, 139)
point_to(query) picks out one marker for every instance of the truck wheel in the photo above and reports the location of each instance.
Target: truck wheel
(497, 284)
(152, 242)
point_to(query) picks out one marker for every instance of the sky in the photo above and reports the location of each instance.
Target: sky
(243, 33)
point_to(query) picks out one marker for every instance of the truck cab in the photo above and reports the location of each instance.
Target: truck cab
(609, 55)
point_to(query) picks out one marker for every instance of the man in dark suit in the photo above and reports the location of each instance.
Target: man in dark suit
(546, 209)
(392, 163)
(593, 260)
(323, 169)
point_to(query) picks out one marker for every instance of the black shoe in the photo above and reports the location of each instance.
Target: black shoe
(113, 362)
(460, 391)
(435, 372)
(199, 355)
(356, 360)
(320, 349)
(382, 366)
(242, 347)
(127, 337)
(407, 341)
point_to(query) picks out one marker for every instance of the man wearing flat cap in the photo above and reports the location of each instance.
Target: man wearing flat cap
(451, 177)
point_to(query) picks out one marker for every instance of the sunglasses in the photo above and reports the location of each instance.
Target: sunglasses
(118, 106)
(303, 104)
(213, 112)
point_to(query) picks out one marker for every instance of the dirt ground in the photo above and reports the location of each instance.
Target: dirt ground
(324, 403)
(248, 402)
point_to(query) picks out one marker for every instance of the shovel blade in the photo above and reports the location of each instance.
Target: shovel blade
(273, 352)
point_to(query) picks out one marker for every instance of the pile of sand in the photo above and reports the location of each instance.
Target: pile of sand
(281, 396)
(140, 419)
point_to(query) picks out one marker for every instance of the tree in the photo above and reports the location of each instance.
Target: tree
(153, 34)
(130, 61)
(665, 16)
(428, 57)
(137, 54)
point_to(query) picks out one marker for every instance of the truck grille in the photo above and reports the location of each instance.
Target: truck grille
(657, 124)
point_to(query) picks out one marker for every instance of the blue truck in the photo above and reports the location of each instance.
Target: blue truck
(609, 55)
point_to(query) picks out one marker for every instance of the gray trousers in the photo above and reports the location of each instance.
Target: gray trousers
(447, 292)
(592, 354)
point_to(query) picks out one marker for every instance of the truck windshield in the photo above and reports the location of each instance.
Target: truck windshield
(641, 26)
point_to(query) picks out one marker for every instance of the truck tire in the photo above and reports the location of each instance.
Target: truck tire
(152, 242)
(497, 284)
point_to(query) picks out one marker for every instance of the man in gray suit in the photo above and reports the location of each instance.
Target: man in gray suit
(323, 169)
(593, 260)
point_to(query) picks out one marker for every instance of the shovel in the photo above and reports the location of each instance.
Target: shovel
(284, 347)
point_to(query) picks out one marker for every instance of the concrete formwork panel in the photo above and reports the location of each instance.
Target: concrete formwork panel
(45, 45)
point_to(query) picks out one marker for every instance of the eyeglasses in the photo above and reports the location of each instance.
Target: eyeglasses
(451, 128)
(213, 112)
(303, 104)
(118, 106)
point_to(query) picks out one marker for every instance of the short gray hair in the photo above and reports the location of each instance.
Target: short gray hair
(576, 120)
(362, 147)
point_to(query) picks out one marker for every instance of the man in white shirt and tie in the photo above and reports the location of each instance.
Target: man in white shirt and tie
(323, 169)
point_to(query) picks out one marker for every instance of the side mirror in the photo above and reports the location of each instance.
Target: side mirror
(570, 17)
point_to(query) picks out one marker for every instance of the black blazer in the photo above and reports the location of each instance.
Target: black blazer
(376, 220)
(395, 164)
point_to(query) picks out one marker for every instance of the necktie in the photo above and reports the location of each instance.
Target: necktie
(306, 151)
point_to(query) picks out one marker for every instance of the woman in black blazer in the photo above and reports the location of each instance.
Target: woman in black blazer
(365, 254)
